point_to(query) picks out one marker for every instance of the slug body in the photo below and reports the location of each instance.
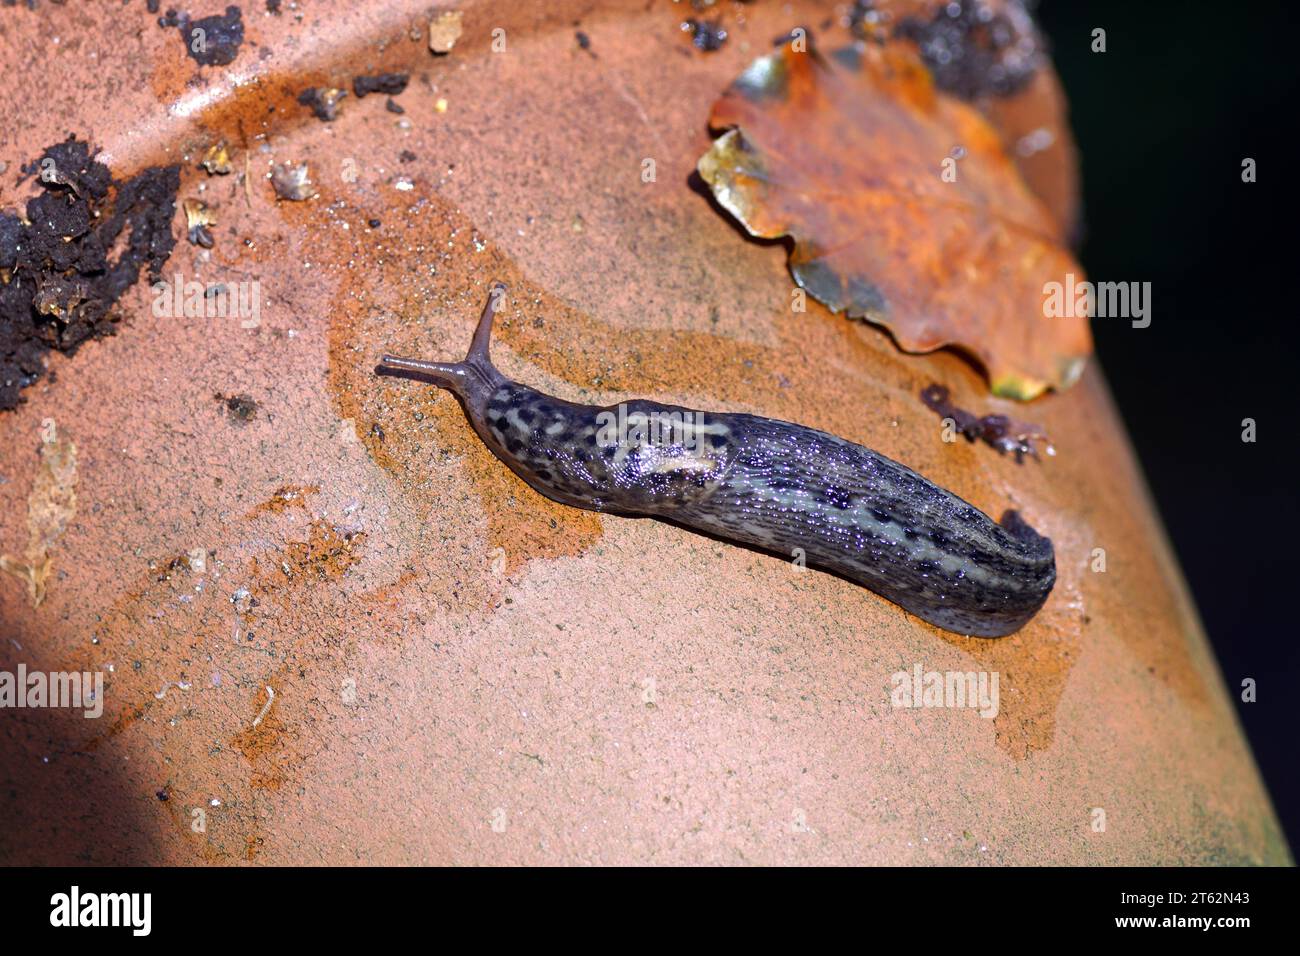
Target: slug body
(777, 486)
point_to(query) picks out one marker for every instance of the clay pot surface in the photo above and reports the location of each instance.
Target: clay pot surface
(459, 670)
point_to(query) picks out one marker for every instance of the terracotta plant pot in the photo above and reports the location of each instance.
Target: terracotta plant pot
(334, 628)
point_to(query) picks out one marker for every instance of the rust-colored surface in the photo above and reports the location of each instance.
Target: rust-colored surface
(346, 633)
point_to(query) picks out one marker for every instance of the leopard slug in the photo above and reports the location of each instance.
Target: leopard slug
(776, 486)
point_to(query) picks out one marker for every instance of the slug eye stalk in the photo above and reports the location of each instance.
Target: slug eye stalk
(454, 376)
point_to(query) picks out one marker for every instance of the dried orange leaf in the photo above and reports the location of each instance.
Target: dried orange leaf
(846, 155)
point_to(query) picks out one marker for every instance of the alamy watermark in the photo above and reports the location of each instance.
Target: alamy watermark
(680, 430)
(918, 687)
(73, 689)
(133, 911)
(208, 300)
(1102, 300)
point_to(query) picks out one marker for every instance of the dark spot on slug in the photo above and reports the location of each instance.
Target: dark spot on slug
(838, 497)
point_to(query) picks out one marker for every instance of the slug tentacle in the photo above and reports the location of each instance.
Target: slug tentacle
(471, 380)
(774, 485)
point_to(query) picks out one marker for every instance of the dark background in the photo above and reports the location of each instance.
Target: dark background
(1163, 119)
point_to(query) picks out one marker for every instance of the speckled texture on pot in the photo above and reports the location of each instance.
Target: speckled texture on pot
(461, 671)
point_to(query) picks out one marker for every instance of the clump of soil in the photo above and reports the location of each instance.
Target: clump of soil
(390, 84)
(80, 246)
(706, 35)
(323, 101)
(241, 408)
(974, 51)
(997, 431)
(211, 41)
